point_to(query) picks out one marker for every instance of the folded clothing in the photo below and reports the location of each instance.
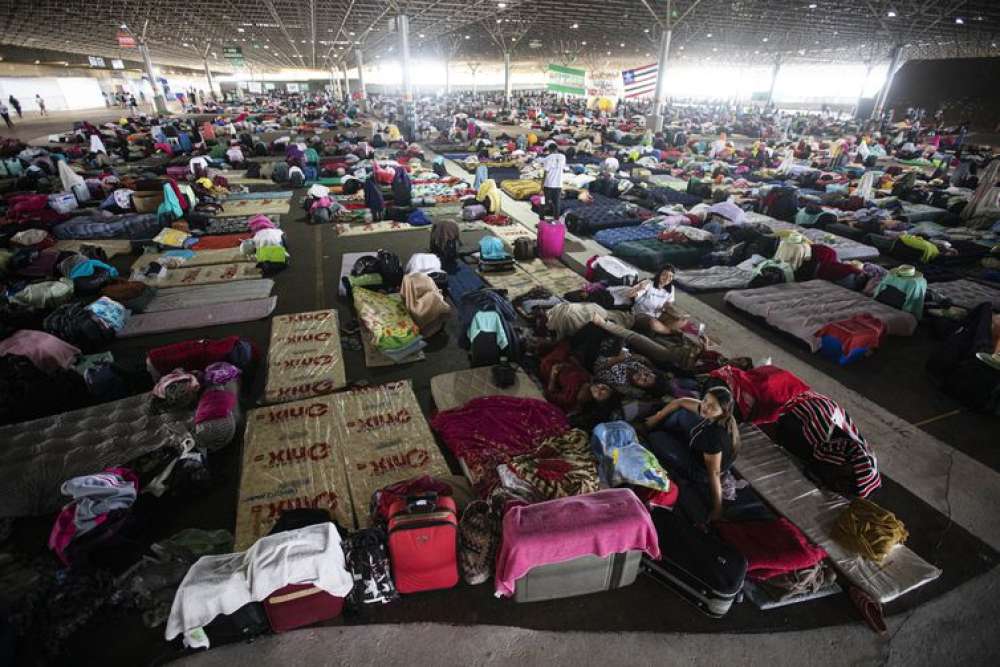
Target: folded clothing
(772, 548)
(47, 352)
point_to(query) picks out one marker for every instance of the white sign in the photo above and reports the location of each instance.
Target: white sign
(96, 62)
(117, 64)
(292, 87)
(254, 86)
(268, 86)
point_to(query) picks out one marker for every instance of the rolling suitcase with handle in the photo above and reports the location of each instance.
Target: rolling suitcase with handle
(698, 566)
(423, 543)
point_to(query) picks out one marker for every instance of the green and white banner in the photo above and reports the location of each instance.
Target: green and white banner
(567, 80)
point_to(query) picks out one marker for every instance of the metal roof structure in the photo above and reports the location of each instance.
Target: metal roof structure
(319, 33)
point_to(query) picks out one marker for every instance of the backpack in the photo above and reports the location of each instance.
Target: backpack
(525, 248)
(296, 177)
(770, 275)
(253, 170)
(310, 173)
(280, 174)
(613, 272)
(491, 249)
(782, 204)
(391, 269)
(260, 149)
(699, 189)
(367, 557)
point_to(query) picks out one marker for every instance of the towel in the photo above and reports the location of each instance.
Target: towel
(222, 584)
(597, 524)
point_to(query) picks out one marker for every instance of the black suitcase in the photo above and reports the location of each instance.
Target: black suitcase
(698, 566)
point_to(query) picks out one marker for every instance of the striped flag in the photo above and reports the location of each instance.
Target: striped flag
(640, 81)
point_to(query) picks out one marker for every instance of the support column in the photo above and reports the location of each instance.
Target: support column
(347, 84)
(895, 61)
(506, 78)
(211, 81)
(159, 101)
(861, 92)
(774, 80)
(334, 84)
(409, 110)
(361, 79)
(447, 76)
(660, 96)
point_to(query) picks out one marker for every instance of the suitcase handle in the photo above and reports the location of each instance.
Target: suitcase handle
(424, 502)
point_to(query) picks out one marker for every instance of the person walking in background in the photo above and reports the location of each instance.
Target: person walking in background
(5, 112)
(132, 103)
(41, 105)
(16, 103)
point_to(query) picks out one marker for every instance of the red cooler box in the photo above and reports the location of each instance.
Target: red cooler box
(299, 605)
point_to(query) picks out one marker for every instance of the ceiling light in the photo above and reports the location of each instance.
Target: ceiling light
(645, 30)
(708, 35)
(714, 50)
(467, 37)
(37, 61)
(764, 40)
(622, 45)
(891, 14)
(351, 33)
(682, 48)
(240, 30)
(812, 5)
(575, 26)
(647, 55)
(584, 43)
(502, 5)
(960, 21)
(421, 35)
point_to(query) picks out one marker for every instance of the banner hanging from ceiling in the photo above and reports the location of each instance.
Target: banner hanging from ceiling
(567, 80)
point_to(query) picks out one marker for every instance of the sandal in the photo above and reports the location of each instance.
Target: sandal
(871, 611)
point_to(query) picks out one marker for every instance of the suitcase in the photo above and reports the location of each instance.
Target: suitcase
(423, 543)
(580, 576)
(698, 566)
(298, 605)
(551, 239)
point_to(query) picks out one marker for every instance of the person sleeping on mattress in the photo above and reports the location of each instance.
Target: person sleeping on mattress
(570, 386)
(631, 376)
(697, 441)
(820, 432)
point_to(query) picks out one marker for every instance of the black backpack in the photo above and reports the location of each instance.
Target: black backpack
(280, 174)
(391, 269)
(297, 179)
(525, 248)
(260, 148)
(782, 204)
(253, 170)
(246, 139)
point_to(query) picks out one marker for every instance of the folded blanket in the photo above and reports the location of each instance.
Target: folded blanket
(772, 548)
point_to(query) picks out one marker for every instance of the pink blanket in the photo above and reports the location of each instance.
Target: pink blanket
(597, 524)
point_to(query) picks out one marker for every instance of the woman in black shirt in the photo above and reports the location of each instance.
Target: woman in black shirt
(697, 440)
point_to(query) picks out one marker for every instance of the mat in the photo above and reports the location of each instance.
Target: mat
(304, 358)
(331, 452)
(198, 317)
(233, 197)
(349, 229)
(111, 247)
(254, 207)
(200, 258)
(374, 358)
(39, 455)
(455, 389)
(774, 476)
(516, 282)
(553, 275)
(220, 241)
(240, 178)
(203, 275)
(176, 298)
(509, 233)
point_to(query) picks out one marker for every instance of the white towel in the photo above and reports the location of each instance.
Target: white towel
(222, 584)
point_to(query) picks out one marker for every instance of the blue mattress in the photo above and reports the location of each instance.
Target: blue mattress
(592, 218)
(134, 226)
(609, 238)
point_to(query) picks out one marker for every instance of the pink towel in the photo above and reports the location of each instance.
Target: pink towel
(597, 524)
(46, 352)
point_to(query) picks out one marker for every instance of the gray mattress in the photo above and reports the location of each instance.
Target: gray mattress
(801, 309)
(847, 249)
(774, 476)
(713, 278)
(38, 456)
(966, 293)
(922, 212)
(176, 298)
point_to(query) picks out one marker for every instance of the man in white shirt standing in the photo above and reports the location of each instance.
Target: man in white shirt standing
(553, 163)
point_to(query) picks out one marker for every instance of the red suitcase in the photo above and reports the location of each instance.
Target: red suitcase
(298, 605)
(423, 543)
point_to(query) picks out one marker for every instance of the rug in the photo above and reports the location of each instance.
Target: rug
(195, 318)
(177, 298)
(304, 358)
(348, 229)
(220, 241)
(200, 258)
(203, 275)
(254, 207)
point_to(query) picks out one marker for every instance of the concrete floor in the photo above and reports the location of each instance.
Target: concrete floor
(950, 523)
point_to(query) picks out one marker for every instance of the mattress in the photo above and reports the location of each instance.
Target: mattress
(802, 309)
(202, 275)
(713, 278)
(453, 390)
(176, 298)
(651, 254)
(38, 456)
(136, 227)
(775, 476)
(199, 258)
(304, 358)
(922, 212)
(966, 293)
(589, 219)
(234, 312)
(609, 238)
(847, 249)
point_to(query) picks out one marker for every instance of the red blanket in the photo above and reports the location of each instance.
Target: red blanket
(760, 392)
(771, 547)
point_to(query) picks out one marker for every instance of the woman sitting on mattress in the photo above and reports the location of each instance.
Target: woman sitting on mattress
(817, 430)
(698, 441)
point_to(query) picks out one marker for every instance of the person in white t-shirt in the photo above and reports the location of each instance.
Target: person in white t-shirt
(650, 296)
(553, 163)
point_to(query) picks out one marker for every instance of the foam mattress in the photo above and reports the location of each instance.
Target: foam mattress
(966, 293)
(713, 278)
(802, 309)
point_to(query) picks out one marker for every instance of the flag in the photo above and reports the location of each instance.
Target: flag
(640, 81)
